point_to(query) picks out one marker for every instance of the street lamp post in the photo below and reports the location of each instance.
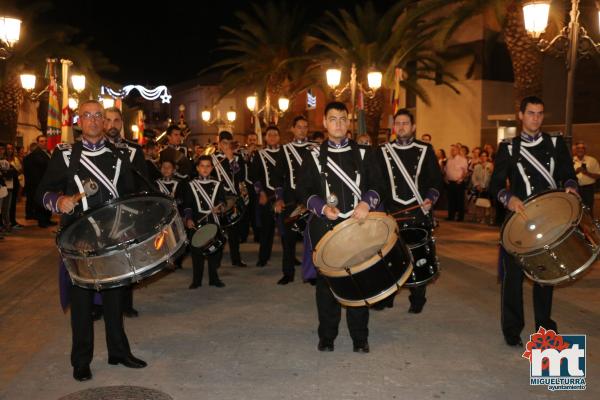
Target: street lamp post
(572, 41)
(267, 110)
(227, 124)
(334, 76)
(10, 31)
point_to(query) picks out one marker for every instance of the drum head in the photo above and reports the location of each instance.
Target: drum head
(124, 220)
(547, 218)
(414, 236)
(204, 234)
(352, 243)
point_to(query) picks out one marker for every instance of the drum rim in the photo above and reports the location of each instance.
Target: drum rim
(368, 262)
(568, 278)
(165, 221)
(427, 239)
(374, 299)
(559, 240)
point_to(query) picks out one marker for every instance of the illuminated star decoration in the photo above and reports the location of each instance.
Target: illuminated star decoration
(148, 94)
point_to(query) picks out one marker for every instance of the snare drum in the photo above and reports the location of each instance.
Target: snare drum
(234, 211)
(422, 248)
(554, 240)
(298, 219)
(363, 261)
(209, 239)
(123, 241)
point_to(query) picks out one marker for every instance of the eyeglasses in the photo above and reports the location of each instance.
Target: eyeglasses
(89, 115)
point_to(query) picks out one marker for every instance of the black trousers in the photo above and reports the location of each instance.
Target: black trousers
(456, 200)
(587, 196)
(233, 237)
(330, 314)
(214, 260)
(267, 231)
(417, 297)
(288, 240)
(82, 325)
(512, 319)
(128, 298)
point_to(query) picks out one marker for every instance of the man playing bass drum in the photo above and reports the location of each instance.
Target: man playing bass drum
(413, 181)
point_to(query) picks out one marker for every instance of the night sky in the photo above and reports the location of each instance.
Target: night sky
(162, 43)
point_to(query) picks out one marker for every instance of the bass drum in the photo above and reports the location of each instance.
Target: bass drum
(554, 240)
(363, 261)
(123, 241)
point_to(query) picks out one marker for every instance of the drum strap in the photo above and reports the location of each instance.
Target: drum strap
(210, 201)
(324, 159)
(411, 184)
(223, 174)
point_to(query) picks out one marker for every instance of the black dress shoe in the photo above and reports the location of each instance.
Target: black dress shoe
(513, 341)
(195, 285)
(312, 281)
(361, 347)
(325, 345)
(297, 262)
(217, 284)
(239, 264)
(285, 280)
(82, 373)
(131, 313)
(130, 361)
(261, 264)
(413, 309)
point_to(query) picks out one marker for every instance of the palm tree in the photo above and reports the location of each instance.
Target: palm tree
(507, 17)
(265, 53)
(40, 42)
(396, 38)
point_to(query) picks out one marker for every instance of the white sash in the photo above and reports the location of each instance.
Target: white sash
(103, 179)
(264, 155)
(411, 184)
(354, 186)
(223, 174)
(539, 167)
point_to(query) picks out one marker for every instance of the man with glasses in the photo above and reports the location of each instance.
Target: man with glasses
(94, 159)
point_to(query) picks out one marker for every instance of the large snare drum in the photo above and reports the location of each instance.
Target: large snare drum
(123, 241)
(363, 262)
(298, 219)
(422, 248)
(554, 240)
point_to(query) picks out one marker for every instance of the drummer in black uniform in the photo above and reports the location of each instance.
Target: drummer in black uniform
(288, 165)
(411, 176)
(113, 123)
(177, 153)
(204, 197)
(90, 163)
(533, 162)
(334, 195)
(269, 191)
(229, 169)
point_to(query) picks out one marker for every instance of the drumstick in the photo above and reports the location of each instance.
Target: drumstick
(522, 214)
(404, 218)
(406, 209)
(78, 196)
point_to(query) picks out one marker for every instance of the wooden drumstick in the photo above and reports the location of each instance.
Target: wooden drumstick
(406, 209)
(404, 218)
(522, 214)
(78, 196)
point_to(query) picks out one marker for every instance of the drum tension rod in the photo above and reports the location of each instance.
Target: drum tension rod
(356, 286)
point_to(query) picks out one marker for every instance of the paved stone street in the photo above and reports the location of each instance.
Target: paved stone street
(256, 340)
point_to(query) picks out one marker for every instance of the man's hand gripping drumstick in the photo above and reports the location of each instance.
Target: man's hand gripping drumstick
(66, 204)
